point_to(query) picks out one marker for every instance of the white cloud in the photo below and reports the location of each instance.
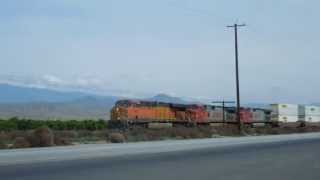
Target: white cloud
(91, 81)
(89, 84)
(53, 80)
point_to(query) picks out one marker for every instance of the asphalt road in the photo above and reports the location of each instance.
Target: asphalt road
(271, 157)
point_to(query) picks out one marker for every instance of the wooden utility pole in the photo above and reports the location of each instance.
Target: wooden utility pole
(235, 26)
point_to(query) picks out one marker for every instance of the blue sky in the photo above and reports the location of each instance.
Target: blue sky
(179, 47)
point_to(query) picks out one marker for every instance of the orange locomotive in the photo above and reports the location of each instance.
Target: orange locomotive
(139, 111)
(131, 111)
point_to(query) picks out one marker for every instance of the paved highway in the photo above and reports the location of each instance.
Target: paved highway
(265, 157)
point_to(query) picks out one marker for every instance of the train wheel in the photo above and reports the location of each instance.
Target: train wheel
(302, 124)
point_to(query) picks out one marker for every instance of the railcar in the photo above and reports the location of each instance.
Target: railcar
(130, 112)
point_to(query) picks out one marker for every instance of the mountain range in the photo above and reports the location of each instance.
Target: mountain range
(41, 103)
(44, 103)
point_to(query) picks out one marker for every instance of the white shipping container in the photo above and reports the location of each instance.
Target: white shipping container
(285, 109)
(284, 118)
(312, 110)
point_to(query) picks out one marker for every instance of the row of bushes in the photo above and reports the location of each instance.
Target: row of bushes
(29, 124)
(40, 137)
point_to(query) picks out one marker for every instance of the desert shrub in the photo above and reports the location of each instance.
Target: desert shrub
(186, 132)
(249, 131)
(180, 132)
(274, 131)
(41, 137)
(116, 137)
(206, 131)
(3, 145)
(100, 134)
(4, 136)
(302, 129)
(85, 133)
(86, 136)
(12, 135)
(227, 130)
(136, 134)
(138, 137)
(261, 130)
(62, 141)
(152, 135)
(21, 142)
(286, 130)
(65, 137)
(141, 134)
(70, 134)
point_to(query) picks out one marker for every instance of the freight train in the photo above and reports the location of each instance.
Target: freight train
(129, 112)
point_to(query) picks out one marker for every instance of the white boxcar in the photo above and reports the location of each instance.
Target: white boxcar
(312, 113)
(285, 112)
(284, 118)
(312, 110)
(285, 109)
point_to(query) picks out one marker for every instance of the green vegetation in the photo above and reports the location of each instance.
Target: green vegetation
(29, 124)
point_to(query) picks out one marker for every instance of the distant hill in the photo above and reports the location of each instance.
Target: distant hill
(19, 94)
(37, 103)
(41, 103)
(84, 108)
(168, 99)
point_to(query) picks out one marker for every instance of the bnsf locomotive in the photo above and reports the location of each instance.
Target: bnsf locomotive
(144, 112)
